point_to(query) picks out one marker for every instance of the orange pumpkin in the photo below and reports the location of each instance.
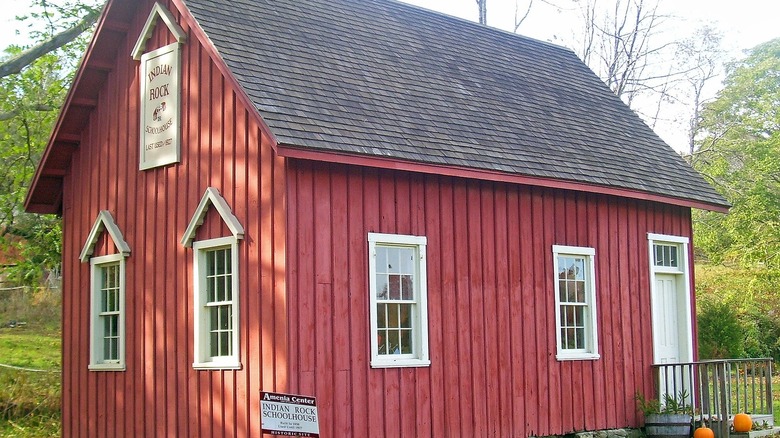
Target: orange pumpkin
(703, 432)
(742, 423)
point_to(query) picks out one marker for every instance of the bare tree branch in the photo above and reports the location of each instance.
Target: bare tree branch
(482, 5)
(16, 64)
(11, 114)
(521, 20)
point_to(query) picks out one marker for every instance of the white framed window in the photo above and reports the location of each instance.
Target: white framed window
(106, 296)
(216, 301)
(398, 300)
(667, 257)
(107, 309)
(576, 332)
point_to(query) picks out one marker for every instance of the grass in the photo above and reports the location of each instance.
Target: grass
(776, 394)
(30, 400)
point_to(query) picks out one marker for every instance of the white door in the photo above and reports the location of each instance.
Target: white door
(671, 336)
(666, 326)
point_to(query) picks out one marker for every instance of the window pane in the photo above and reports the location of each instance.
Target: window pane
(224, 317)
(393, 260)
(407, 260)
(580, 332)
(382, 287)
(210, 263)
(220, 284)
(569, 320)
(107, 326)
(214, 350)
(210, 289)
(381, 315)
(393, 342)
(395, 287)
(214, 317)
(405, 315)
(226, 347)
(580, 292)
(393, 316)
(382, 341)
(579, 269)
(673, 256)
(228, 287)
(571, 291)
(571, 338)
(381, 259)
(104, 277)
(407, 287)
(220, 256)
(562, 290)
(406, 342)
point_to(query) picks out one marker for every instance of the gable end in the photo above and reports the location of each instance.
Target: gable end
(212, 197)
(104, 221)
(158, 11)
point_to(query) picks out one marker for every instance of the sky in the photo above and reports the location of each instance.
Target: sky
(744, 24)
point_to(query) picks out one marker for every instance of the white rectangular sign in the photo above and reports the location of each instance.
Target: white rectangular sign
(289, 414)
(160, 120)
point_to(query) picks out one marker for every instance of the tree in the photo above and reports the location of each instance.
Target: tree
(482, 5)
(739, 154)
(618, 44)
(33, 81)
(25, 58)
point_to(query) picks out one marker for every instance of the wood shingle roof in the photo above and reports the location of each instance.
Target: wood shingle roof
(385, 79)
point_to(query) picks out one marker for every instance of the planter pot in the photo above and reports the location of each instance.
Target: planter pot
(668, 425)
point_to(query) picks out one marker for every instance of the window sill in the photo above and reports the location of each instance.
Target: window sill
(217, 365)
(400, 363)
(107, 367)
(578, 356)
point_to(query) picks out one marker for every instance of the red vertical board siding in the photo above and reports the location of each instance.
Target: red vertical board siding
(490, 302)
(222, 145)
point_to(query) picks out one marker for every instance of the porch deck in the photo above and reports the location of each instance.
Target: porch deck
(719, 389)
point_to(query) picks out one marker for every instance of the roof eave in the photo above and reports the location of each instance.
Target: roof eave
(293, 151)
(45, 192)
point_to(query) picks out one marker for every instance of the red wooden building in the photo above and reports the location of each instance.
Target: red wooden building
(434, 227)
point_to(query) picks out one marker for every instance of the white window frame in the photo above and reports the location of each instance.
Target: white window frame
(203, 359)
(419, 357)
(591, 351)
(97, 361)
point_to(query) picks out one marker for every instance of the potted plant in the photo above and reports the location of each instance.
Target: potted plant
(672, 418)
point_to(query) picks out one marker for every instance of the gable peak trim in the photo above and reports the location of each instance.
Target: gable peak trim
(104, 221)
(158, 11)
(212, 197)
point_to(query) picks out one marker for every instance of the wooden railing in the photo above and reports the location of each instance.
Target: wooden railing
(718, 389)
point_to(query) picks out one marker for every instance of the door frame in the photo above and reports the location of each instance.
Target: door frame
(684, 315)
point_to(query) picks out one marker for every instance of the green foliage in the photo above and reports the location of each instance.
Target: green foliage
(721, 333)
(28, 103)
(738, 312)
(673, 404)
(740, 156)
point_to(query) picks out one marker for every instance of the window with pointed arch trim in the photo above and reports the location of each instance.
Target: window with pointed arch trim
(215, 287)
(107, 296)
